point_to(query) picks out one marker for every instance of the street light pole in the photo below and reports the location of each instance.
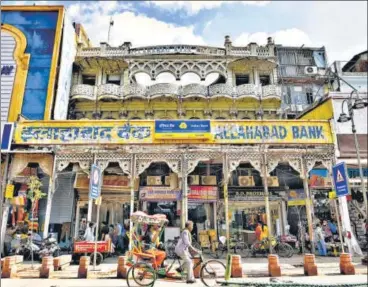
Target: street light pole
(357, 148)
(358, 104)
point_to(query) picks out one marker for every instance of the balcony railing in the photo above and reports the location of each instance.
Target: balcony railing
(134, 90)
(247, 90)
(163, 89)
(221, 90)
(82, 91)
(194, 90)
(271, 91)
(110, 91)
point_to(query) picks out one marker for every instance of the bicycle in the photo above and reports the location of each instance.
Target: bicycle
(237, 246)
(143, 273)
(281, 248)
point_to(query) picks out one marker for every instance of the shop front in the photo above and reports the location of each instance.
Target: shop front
(247, 208)
(163, 200)
(202, 205)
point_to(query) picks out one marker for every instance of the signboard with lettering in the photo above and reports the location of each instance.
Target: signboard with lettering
(159, 193)
(152, 132)
(239, 194)
(95, 182)
(84, 132)
(182, 129)
(316, 132)
(202, 193)
(341, 180)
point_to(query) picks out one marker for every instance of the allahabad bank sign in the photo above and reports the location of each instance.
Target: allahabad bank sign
(282, 132)
(158, 132)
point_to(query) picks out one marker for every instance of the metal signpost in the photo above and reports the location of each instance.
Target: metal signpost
(340, 179)
(341, 183)
(94, 193)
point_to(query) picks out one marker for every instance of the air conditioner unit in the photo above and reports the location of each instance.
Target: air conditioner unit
(246, 180)
(311, 70)
(272, 181)
(167, 180)
(172, 180)
(299, 108)
(208, 180)
(154, 180)
(193, 180)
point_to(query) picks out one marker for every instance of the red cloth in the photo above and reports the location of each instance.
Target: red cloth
(159, 257)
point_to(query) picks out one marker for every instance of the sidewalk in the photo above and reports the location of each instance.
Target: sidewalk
(252, 267)
(318, 280)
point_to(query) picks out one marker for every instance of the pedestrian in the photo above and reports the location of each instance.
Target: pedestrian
(182, 250)
(327, 231)
(258, 231)
(10, 230)
(321, 244)
(104, 231)
(88, 235)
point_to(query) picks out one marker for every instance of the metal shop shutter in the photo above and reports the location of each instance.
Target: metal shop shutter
(63, 200)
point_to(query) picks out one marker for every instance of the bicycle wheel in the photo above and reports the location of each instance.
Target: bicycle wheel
(212, 271)
(284, 250)
(242, 249)
(142, 274)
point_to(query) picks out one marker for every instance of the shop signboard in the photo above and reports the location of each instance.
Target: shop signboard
(282, 132)
(159, 193)
(237, 194)
(182, 129)
(95, 182)
(176, 131)
(84, 132)
(296, 197)
(319, 178)
(109, 182)
(202, 193)
(341, 180)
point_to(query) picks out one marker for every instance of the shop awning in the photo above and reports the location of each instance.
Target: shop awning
(347, 146)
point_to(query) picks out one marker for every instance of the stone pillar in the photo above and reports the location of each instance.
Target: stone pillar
(77, 220)
(50, 195)
(308, 208)
(266, 195)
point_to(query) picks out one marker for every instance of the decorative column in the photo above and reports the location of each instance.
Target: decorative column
(266, 195)
(184, 200)
(50, 194)
(226, 176)
(77, 219)
(132, 180)
(308, 201)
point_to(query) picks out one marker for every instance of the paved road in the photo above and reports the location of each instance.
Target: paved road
(320, 280)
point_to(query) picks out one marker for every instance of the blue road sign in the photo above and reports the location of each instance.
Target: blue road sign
(95, 182)
(341, 179)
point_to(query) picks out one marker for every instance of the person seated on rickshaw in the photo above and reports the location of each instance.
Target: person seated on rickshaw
(152, 245)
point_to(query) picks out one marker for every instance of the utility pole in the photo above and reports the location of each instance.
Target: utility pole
(110, 25)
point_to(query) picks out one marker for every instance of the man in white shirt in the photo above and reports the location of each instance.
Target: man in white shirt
(88, 235)
(181, 249)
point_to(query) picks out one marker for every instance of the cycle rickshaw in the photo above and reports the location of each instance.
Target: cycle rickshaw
(144, 272)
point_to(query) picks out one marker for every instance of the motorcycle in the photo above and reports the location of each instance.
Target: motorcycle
(25, 247)
(49, 247)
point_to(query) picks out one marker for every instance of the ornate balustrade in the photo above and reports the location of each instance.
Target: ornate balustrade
(163, 89)
(111, 91)
(247, 90)
(221, 90)
(194, 90)
(271, 91)
(82, 91)
(134, 90)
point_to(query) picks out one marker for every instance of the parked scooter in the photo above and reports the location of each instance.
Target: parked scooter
(49, 247)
